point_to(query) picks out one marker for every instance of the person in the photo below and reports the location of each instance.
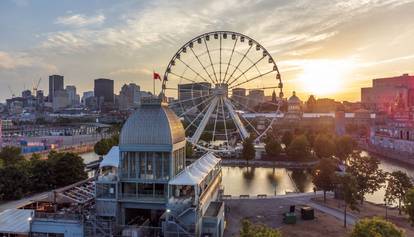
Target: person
(314, 190)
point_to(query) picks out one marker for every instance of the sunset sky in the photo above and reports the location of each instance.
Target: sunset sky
(327, 48)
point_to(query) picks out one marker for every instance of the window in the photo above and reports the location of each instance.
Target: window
(142, 167)
(132, 166)
(166, 165)
(158, 165)
(150, 165)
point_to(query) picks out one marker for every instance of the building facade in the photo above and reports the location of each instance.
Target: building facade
(104, 90)
(56, 83)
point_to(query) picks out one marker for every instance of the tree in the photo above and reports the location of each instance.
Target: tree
(189, 151)
(299, 149)
(345, 145)
(272, 147)
(409, 205)
(103, 146)
(40, 173)
(398, 185)
(67, 168)
(377, 227)
(287, 138)
(324, 146)
(14, 182)
(257, 230)
(248, 152)
(324, 176)
(349, 189)
(11, 155)
(366, 171)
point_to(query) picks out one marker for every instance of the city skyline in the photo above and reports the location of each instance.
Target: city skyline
(333, 52)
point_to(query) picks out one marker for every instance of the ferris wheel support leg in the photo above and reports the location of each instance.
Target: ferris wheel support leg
(197, 134)
(236, 119)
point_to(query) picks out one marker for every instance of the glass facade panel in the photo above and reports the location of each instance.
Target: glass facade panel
(150, 165)
(166, 165)
(105, 190)
(142, 167)
(132, 165)
(158, 165)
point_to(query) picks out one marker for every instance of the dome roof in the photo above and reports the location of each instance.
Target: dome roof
(152, 125)
(294, 99)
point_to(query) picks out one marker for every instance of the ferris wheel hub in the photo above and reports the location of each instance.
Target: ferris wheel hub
(221, 89)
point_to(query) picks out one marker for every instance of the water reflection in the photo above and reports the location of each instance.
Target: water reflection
(254, 181)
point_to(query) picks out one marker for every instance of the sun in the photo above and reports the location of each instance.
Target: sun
(323, 77)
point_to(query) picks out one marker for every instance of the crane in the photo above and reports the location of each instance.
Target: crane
(11, 91)
(35, 87)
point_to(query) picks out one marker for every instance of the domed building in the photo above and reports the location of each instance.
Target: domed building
(154, 186)
(294, 110)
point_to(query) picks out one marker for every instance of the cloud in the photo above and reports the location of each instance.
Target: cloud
(132, 71)
(13, 61)
(79, 20)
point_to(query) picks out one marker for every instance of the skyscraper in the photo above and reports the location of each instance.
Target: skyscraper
(104, 90)
(55, 84)
(73, 97)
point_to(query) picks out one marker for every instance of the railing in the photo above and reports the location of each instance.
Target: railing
(57, 216)
(142, 197)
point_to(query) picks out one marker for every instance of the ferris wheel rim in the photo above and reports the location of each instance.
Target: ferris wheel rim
(214, 81)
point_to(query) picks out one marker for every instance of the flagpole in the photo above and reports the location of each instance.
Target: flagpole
(153, 82)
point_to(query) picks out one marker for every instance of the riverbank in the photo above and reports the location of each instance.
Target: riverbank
(78, 149)
(269, 164)
(389, 154)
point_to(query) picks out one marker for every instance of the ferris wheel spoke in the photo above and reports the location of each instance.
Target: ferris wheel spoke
(187, 110)
(220, 61)
(251, 79)
(229, 62)
(198, 115)
(251, 125)
(194, 98)
(198, 74)
(201, 127)
(241, 60)
(211, 61)
(224, 122)
(248, 69)
(202, 65)
(215, 123)
(239, 125)
(186, 78)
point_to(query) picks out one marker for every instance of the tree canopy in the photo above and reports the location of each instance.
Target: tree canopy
(324, 146)
(257, 230)
(345, 145)
(376, 227)
(103, 146)
(248, 152)
(366, 171)
(398, 185)
(324, 177)
(287, 138)
(272, 147)
(299, 149)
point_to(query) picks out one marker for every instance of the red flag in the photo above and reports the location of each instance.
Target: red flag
(156, 76)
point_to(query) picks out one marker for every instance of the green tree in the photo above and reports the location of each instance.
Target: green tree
(367, 173)
(398, 185)
(11, 155)
(409, 205)
(287, 138)
(376, 227)
(272, 147)
(349, 189)
(103, 146)
(248, 152)
(323, 177)
(324, 146)
(189, 151)
(345, 146)
(257, 230)
(14, 182)
(41, 174)
(299, 149)
(67, 168)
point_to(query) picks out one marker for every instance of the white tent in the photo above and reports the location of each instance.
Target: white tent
(197, 171)
(111, 159)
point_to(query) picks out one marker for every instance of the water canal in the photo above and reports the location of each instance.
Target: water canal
(279, 181)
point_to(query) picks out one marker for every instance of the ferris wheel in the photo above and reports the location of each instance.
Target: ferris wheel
(222, 81)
